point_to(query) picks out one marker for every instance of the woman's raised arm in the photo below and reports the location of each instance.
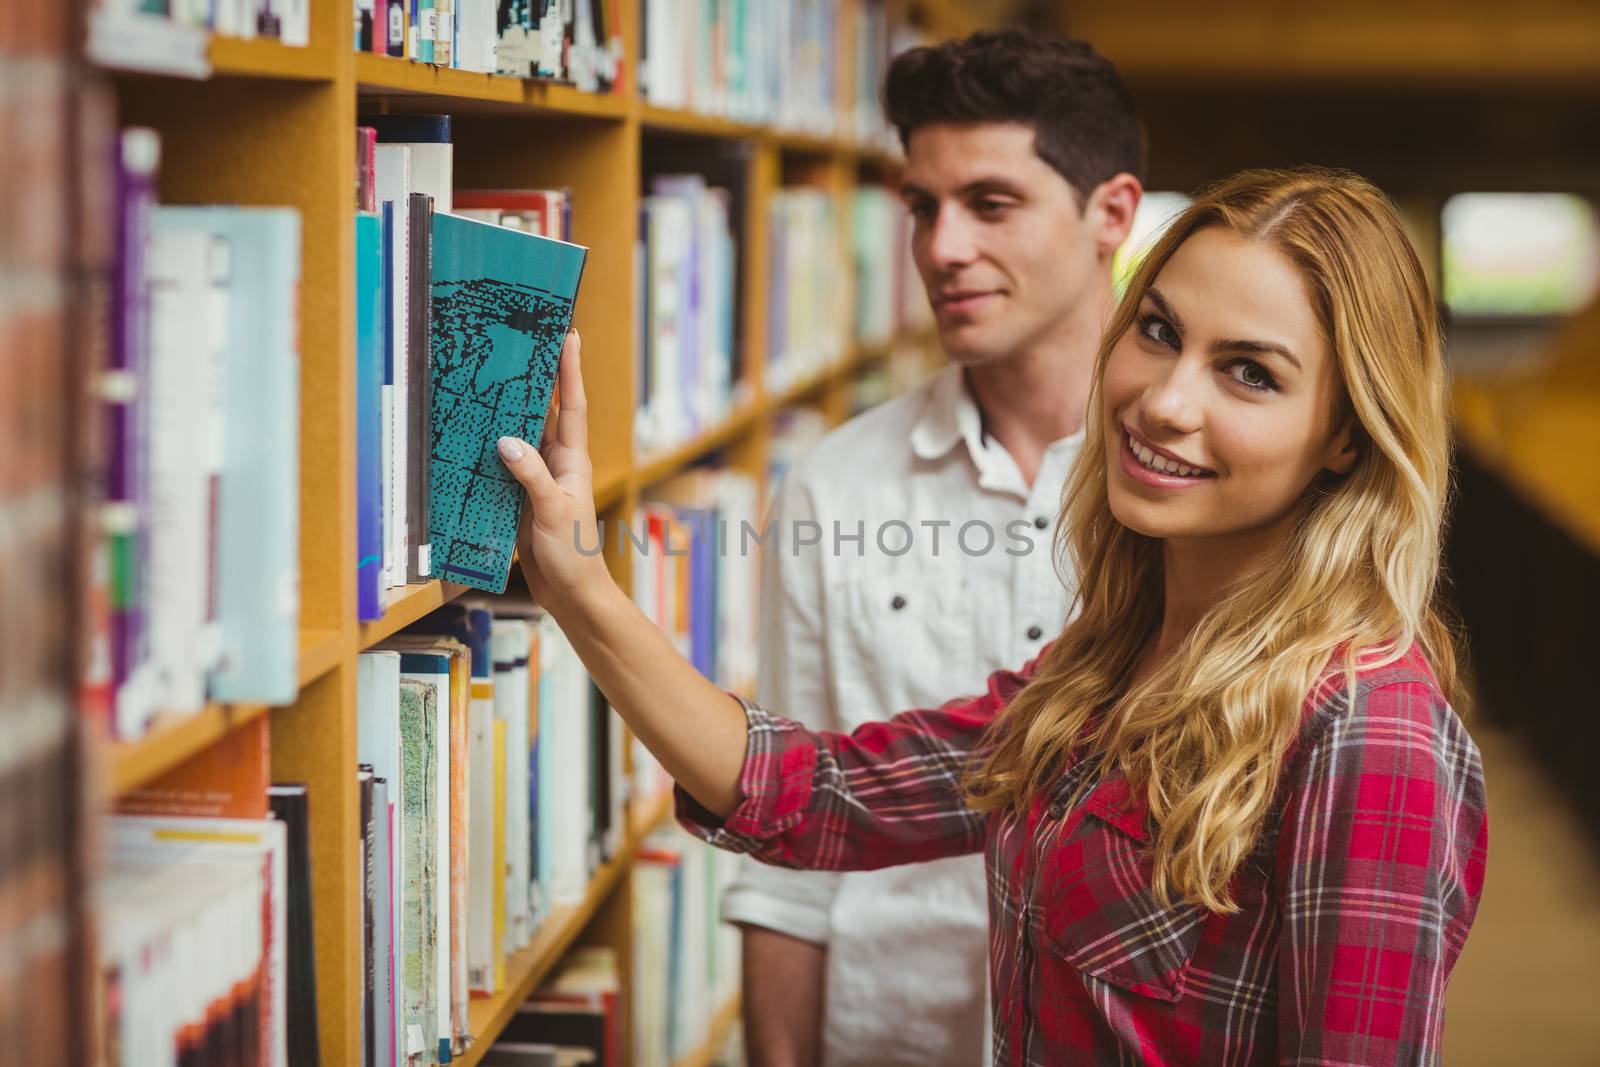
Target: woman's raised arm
(697, 731)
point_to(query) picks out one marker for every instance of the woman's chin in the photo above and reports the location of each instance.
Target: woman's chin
(1136, 515)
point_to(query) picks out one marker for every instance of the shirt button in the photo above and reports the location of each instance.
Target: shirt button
(897, 603)
(1034, 633)
(1040, 522)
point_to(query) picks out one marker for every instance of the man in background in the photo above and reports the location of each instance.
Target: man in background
(1024, 163)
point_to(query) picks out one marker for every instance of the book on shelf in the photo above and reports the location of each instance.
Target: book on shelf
(687, 350)
(370, 325)
(685, 961)
(576, 1013)
(695, 540)
(546, 212)
(450, 710)
(171, 38)
(291, 805)
(576, 41)
(198, 906)
(808, 279)
(200, 451)
(502, 304)
(772, 62)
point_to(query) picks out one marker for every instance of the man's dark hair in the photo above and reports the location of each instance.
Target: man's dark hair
(1084, 121)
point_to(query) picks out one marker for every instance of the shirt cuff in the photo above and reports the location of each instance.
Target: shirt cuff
(780, 761)
(751, 907)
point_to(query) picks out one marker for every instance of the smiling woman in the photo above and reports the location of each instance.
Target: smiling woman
(1229, 815)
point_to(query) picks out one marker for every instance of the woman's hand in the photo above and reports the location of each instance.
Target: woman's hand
(559, 481)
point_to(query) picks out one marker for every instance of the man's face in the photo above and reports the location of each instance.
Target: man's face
(998, 238)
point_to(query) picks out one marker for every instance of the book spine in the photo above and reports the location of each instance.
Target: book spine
(369, 352)
(126, 392)
(398, 28)
(366, 795)
(419, 431)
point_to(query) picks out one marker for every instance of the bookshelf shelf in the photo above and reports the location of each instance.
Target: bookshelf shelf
(406, 606)
(527, 968)
(233, 57)
(320, 652)
(171, 741)
(672, 120)
(663, 464)
(389, 74)
(411, 83)
(722, 1024)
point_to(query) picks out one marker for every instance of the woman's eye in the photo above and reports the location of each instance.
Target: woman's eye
(1252, 375)
(1159, 330)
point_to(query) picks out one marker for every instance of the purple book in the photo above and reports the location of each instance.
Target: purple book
(126, 437)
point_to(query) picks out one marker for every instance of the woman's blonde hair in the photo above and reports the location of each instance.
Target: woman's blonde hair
(1204, 734)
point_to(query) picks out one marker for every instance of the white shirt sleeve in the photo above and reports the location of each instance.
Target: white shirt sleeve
(791, 681)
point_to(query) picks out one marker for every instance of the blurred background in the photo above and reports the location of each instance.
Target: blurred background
(1481, 119)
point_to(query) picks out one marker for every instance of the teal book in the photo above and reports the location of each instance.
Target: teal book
(257, 583)
(502, 302)
(419, 888)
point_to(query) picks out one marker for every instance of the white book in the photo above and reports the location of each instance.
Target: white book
(175, 840)
(392, 182)
(378, 743)
(509, 641)
(480, 838)
(383, 920)
(182, 359)
(443, 981)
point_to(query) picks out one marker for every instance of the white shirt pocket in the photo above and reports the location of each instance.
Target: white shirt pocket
(904, 640)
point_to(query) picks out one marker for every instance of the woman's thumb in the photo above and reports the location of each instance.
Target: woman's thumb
(527, 467)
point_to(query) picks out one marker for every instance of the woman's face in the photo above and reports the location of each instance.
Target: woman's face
(1221, 399)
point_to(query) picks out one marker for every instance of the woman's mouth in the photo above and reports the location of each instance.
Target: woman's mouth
(1148, 467)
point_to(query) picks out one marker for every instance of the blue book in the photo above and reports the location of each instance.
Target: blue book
(502, 302)
(258, 521)
(370, 322)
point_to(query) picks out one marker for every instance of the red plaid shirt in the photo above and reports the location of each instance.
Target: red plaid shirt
(1352, 909)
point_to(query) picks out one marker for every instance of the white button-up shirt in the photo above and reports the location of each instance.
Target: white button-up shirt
(932, 567)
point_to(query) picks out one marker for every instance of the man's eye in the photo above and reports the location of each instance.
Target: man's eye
(1159, 330)
(922, 212)
(990, 206)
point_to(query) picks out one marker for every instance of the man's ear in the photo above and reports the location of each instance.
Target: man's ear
(1346, 447)
(1116, 198)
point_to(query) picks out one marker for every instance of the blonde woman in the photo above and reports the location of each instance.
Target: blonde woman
(1228, 815)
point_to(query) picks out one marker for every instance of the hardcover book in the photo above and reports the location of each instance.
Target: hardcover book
(502, 302)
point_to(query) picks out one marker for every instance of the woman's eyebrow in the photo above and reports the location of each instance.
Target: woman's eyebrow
(1259, 348)
(1165, 308)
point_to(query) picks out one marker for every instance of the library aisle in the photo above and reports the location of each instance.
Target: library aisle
(1527, 984)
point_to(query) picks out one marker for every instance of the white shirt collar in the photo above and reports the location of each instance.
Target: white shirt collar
(951, 415)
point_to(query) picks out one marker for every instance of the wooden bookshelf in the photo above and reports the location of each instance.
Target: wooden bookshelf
(722, 1024)
(275, 125)
(529, 967)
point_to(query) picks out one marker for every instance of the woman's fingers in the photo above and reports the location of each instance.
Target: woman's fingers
(572, 423)
(527, 467)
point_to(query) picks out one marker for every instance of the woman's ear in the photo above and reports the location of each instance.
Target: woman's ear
(1345, 448)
